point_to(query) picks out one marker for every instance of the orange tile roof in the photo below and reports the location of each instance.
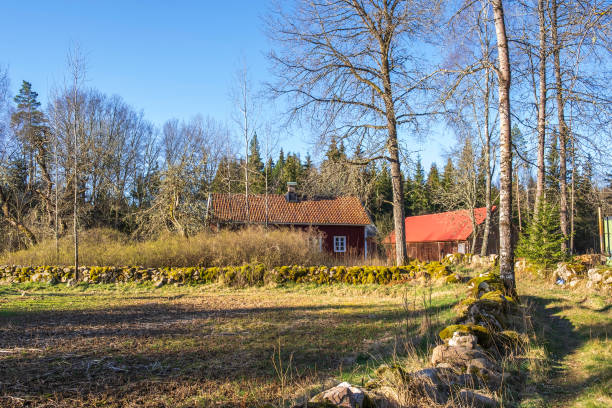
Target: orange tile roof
(335, 211)
(447, 226)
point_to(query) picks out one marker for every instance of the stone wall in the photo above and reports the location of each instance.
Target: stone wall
(466, 369)
(255, 274)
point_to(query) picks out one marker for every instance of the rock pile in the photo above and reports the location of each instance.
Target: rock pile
(575, 274)
(588, 271)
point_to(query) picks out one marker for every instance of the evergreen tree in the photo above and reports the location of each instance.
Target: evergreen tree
(292, 170)
(228, 177)
(308, 165)
(29, 124)
(277, 174)
(418, 196)
(408, 195)
(432, 188)
(542, 240)
(448, 177)
(269, 172)
(335, 153)
(380, 200)
(256, 168)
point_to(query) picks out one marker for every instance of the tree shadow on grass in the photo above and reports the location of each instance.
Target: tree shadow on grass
(561, 339)
(124, 353)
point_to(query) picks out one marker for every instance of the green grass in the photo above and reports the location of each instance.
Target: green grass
(572, 365)
(115, 345)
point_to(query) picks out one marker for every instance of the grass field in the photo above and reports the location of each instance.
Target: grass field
(134, 345)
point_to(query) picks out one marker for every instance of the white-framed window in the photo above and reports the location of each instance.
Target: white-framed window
(340, 243)
(461, 248)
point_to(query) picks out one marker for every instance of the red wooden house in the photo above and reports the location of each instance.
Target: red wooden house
(343, 221)
(430, 237)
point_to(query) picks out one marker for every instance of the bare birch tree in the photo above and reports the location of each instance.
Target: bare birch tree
(506, 253)
(243, 97)
(349, 68)
(472, 91)
(76, 64)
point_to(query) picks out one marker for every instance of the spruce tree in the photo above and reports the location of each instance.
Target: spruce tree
(541, 241)
(448, 177)
(256, 168)
(277, 174)
(432, 188)
(381, 200)
(418, 196)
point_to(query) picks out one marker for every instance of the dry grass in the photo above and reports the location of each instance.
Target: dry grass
(105, 247)
(132, 345)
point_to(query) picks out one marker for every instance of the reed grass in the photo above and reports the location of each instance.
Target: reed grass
(107, 247)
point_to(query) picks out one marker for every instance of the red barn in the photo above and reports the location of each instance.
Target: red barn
(430, 237)
(343, 221)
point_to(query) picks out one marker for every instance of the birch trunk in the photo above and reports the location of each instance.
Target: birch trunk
(506, 255)
(541, 110)
(487, 227)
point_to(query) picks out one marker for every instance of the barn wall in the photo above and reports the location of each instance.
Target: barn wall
(493, 244)
(427, 251)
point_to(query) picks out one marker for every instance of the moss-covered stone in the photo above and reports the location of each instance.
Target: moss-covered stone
(482, 333)
(497, 296)
(486, 283)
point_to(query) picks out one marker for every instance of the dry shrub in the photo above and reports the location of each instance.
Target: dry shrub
(111, 248)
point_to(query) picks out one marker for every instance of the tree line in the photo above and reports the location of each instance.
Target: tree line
(523, 87)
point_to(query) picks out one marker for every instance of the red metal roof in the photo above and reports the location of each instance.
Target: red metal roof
(447, 226)
(335, 211)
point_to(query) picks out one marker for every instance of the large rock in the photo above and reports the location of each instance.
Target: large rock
(343, 395)
(433, 383)
(45, 277)
(455, 356)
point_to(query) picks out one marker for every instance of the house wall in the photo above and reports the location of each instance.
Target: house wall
(354, 237)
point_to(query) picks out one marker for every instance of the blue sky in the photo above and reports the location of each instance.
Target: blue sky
(167, 58)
